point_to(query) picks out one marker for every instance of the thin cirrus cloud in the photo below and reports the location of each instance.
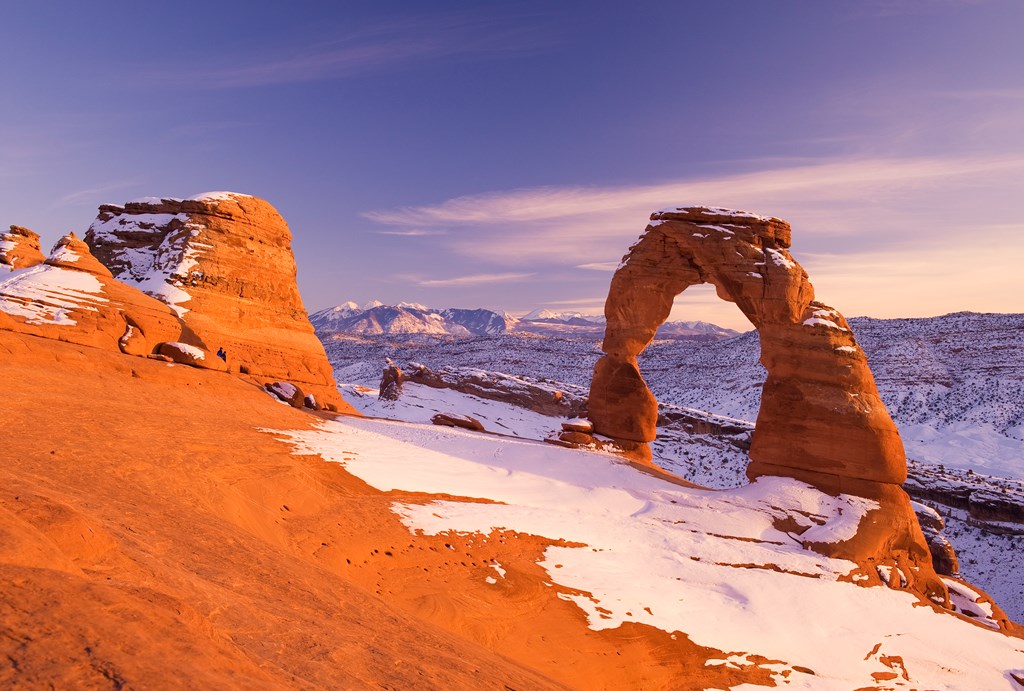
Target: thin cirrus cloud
(89, 194)
(882, 237)
(475, 279)
(405, 41)
(599, 266)
(411, 232)
(875, 201)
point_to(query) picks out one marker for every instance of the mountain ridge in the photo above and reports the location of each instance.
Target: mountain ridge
(405, 318)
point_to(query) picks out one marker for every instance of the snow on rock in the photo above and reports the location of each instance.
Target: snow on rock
(19, 249)
(710, 565)
(193, 351)
(46, 294)
(712, 211)
(156, 261)
(216, 196)
(827, 317)
(223, 262)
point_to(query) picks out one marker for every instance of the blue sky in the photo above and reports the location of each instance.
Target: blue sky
(477, 154)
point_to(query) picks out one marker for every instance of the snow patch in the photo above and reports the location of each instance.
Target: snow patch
(46, 294)
(708, 564)
(194, 352)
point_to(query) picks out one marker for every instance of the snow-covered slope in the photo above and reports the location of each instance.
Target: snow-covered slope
(710, 566)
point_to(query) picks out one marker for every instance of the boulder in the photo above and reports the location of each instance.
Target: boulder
(287, 392)
(577, 438)
(193, 356)
(456, 420)
(19, 249)
(223, 262)
(578, 425)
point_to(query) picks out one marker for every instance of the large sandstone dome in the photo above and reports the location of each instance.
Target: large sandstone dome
(223, 262)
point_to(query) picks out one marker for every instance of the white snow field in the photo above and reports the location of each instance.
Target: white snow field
(46, 294)
(704, 563)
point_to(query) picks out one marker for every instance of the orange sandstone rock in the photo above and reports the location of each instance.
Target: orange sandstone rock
(72, 297)
(821, 419)
(19, 248)
(820, 410)
(223, 262)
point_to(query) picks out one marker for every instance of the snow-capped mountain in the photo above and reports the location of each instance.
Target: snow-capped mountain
(375, 318)
(546, 322)
(540, 315)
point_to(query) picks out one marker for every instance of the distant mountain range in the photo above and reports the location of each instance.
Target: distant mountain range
(406, 318)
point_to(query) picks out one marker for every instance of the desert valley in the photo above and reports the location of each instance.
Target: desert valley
(198, 492)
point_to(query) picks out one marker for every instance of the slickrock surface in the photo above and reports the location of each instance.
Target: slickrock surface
(19, 249)
(821, 419)
(194, 551)
(223, 261)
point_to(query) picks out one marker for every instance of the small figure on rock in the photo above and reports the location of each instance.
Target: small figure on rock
(222, 354)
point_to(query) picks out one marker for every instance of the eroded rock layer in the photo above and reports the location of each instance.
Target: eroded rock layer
(19, 249)
(72, 297)
(821, 419)
(223, 261)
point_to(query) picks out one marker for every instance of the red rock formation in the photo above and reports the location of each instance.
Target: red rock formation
(72, 297)
(223, 261)
(821, 420)
(19, 248)
(72, 253)
(390, 382)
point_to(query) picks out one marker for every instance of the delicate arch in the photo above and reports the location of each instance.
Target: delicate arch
(820, 411)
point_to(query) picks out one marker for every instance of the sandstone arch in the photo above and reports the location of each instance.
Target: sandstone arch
(821, 419)
(820, 411)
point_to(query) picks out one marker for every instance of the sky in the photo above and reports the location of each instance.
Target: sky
(505, 155)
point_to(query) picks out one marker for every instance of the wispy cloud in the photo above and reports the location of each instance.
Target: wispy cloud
(856, 199)
(405, 41)
(475, 279)
(599, 266)
(837, 179)
(411, 232)
(93, 193)
(859, 227)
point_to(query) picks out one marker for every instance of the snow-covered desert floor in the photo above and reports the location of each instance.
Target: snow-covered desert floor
(707, 564)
